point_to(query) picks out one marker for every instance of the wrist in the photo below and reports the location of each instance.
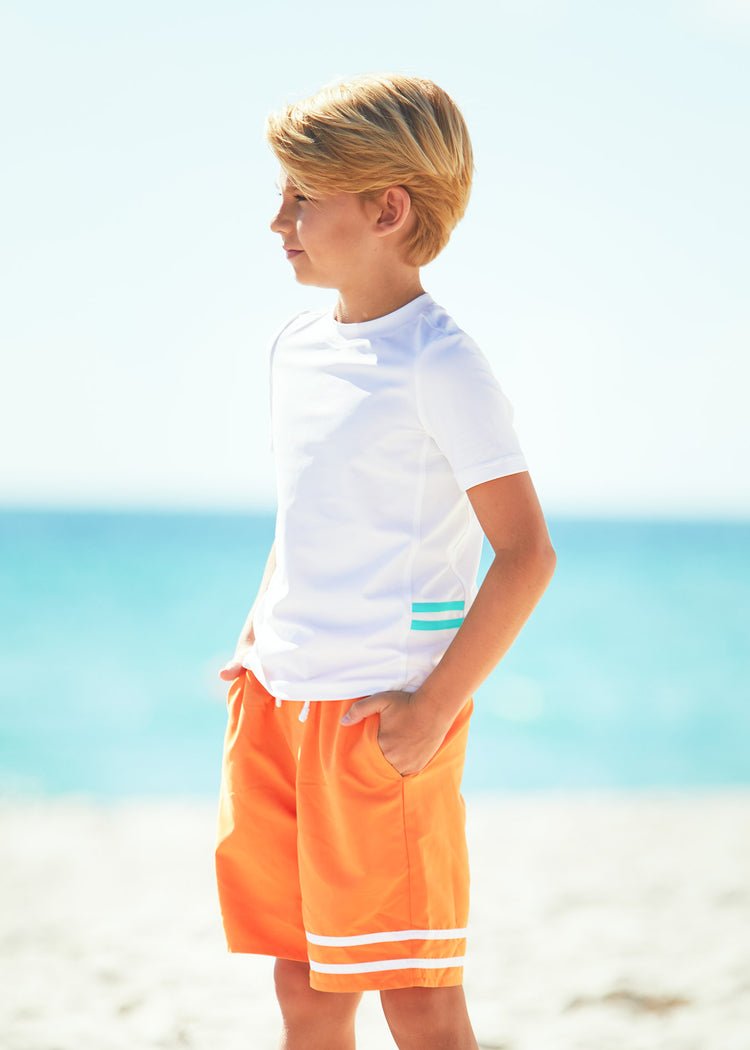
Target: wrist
(443, 707)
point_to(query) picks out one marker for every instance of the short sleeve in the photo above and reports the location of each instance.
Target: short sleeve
(464, 410)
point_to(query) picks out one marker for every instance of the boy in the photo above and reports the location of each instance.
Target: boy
(341, 833)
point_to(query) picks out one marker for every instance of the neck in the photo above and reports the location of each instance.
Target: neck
(377, 298)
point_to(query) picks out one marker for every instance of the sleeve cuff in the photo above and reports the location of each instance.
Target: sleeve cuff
(494, 468)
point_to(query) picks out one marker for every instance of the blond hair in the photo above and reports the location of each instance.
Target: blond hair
(379, 130)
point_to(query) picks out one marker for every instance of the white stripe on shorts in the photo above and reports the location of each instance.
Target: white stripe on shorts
(388, 964)
(379, 938)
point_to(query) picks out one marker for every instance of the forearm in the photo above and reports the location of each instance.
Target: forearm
(511, 589)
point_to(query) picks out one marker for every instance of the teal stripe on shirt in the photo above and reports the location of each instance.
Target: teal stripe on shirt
(435, 625)
(422, 607)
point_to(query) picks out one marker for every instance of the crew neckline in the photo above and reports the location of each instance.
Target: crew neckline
(385, 323)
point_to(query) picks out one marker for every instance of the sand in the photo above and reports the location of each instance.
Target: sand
(599, 922)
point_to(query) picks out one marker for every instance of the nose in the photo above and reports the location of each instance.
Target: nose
(280, 221)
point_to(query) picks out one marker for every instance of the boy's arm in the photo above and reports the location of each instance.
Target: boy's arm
(413, 725)
(235, 666)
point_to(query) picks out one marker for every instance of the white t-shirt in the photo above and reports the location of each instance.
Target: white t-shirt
(378, 430)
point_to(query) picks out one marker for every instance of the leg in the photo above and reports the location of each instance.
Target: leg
(313, 1020)
(428, 1018)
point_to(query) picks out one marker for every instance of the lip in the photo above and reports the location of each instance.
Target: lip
(292, 253)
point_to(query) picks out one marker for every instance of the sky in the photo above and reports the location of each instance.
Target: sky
(602, 265)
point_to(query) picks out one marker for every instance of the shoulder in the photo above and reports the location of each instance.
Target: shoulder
(298, 328)
(445, 348)
(453, 378)
(297, 324)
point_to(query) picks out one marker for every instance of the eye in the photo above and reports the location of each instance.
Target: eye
(299, 197)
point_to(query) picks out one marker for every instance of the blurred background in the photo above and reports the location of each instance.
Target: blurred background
(602, 266)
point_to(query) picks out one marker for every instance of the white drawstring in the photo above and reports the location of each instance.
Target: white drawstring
(303, 713)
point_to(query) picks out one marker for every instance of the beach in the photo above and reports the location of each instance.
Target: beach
(617, 921)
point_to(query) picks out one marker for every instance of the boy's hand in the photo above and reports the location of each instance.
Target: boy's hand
(408, 734)
(231, 670)
(236, 666)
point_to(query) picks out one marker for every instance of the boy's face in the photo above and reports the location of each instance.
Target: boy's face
(329, 240)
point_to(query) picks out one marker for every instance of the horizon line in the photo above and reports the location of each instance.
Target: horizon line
(261, 509)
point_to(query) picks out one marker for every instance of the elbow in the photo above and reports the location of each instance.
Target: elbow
(543, 559)
(534, 557)
(540, 559)
(529, 553)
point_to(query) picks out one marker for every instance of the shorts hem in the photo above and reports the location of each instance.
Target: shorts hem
(381, 982)
(234, 949)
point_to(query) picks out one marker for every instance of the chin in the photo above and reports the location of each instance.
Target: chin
(312, 280)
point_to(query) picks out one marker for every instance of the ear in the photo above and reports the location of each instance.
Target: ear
(393, 209)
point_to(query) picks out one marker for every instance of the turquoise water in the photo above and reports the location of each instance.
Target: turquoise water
(633, 673)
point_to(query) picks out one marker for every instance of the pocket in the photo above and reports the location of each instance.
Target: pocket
(371, 735)
(371, 728)
(452, 750)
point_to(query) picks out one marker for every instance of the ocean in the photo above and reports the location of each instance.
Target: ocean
(633, 673)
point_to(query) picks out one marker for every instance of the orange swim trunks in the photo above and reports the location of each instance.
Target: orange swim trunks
(327, 855)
